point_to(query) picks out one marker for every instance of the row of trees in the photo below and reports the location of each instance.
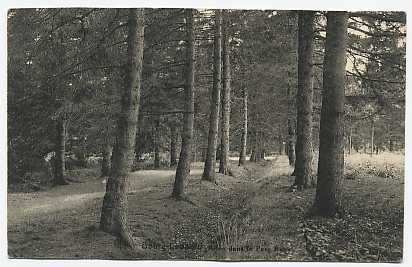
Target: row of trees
(331, 136)
(274, 78)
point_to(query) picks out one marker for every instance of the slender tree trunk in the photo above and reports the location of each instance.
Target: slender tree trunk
(243, 148)
(156, 143)
(252, 155)
(350, 140)
(173, 145)
(291, 143)
(60, 151)
(304, 100)
(261, 146)
(390, 137)
(106, 154)
(280, 138)
(114, 209)
(140, 139)
(218, 150)
(331, 137)
(252, 146)
(209, 169)
(223, 166)
(258, 146)
(372, 136)
(183, 166)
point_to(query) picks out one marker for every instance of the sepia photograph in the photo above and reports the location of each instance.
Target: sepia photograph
(205, 134)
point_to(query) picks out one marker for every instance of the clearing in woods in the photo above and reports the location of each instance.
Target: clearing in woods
(249, 216)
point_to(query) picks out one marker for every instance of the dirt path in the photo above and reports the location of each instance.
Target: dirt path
(25, 206)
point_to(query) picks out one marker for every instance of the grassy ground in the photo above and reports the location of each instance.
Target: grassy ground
(247, 217)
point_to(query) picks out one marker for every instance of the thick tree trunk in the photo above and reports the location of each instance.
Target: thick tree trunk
(174, 134)
(243, 145)
(209, 168)
(114, 209)
(331, 137)
(106, 155)
(223, 166)
(60, 151)
(183, 166)
(304, 99)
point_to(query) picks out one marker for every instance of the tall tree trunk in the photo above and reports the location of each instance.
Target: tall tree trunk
(350, 140)
(263, 154)
(252, 146)
(156, 144)
(174, 134)
(183, 166)
(223, 166)
(390, 140)
(372, 136)
(209, 168)
(114, 209)
(281, 145)
(243, 148)
(261, 146)
(258, 146)
(60, 151)
(106, 155)
(140, 139)
(331, 140)
(304, 101)
(291, 143)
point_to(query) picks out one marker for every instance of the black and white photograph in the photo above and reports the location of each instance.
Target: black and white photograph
(205, 134)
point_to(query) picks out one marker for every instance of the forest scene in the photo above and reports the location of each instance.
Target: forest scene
(205, 134)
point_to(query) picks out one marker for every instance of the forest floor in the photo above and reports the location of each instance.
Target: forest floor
(250, 216)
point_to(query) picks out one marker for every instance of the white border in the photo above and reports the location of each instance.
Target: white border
(350, 5)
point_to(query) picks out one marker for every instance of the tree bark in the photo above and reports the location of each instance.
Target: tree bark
(106, 155)
(60, 151)
(243, 148)
(156, 144)
(252, 147)
(174, 134)
(261, 145)
(350, 141)
(209, 168)
(331, 137)
(223, 166)
(114, 209)
(291, 143)
(183, 166)
(372, 137)
(304, 100)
